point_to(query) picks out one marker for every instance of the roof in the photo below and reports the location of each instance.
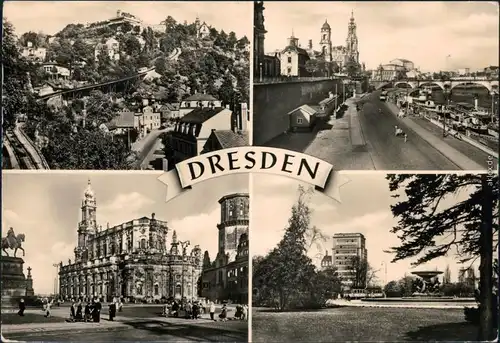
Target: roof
(296, 49)
(123, 120)
(327, 258)
(305, 108)
(328, 100)
(325, 26)
(231, 139)
(200, 97)
(201, 115)
(402, 60)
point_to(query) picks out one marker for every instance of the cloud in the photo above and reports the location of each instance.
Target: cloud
(198, 230)
(385, 32)
(130, 203)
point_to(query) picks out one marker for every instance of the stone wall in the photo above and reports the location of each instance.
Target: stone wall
(272, 102)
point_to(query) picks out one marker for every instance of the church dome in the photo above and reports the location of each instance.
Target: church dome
(326, 26)
(89, 192)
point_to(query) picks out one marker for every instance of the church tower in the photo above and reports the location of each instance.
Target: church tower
(259, 34)
(352, 41)
(234, 222)
(326, 41)
(88, 223)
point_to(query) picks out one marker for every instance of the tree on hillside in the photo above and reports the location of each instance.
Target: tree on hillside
(86, 149)
(226, 90)
(15, 78)
(429, 229)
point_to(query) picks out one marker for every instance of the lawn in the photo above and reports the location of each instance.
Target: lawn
(361, 324)
(14, 318)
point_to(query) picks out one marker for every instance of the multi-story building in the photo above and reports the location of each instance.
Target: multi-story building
(34, 54)
(226, 278)
(293, 59)
(406, 64)
(347, 248)
(196, 101)
(130, 260)
(192, 131)
(56, 71)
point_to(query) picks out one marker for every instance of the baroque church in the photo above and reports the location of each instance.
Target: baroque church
(293, 57)
(130, 260)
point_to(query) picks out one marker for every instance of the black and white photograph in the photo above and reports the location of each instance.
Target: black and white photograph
(379, 85)
(123, 85)
(402, 257)
(102, 257)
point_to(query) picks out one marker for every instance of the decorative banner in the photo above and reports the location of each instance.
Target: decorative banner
(254, 159)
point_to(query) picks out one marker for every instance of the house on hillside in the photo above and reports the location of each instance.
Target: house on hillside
(192, 131)
(202, 29)
(302, 118)
(56, 71)
(111, 47)
(124, 121)
(169, 111)
(198, 100)
(34, 54)
(46, 88)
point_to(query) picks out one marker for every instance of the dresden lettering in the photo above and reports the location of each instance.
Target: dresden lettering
(250, 161)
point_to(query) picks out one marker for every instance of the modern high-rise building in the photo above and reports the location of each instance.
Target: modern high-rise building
(347, 248)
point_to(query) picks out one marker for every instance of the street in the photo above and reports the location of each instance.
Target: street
(145, 147)
(135, 323)
(366, 140)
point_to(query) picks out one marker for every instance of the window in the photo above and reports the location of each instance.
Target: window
(324, 36)
(299, 120)
(289, 59)
(157, 290)
(143, 243)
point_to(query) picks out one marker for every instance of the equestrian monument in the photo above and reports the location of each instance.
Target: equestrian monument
(15, 285)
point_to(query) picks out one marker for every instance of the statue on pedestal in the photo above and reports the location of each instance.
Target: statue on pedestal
(11, 241)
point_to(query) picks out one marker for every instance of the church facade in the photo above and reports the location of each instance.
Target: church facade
(338, 56)
(130, 260)
(226, 278)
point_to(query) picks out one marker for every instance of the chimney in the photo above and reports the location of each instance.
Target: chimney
(152, 216)
(310, 44)
(326, 253)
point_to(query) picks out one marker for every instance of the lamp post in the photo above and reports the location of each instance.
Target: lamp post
(260, 72)
(385, 274)
(446, 93)
(492, 93)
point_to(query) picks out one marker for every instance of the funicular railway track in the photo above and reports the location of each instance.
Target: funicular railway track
(24, 155)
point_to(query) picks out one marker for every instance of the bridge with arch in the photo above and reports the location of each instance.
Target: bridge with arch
(490, 85)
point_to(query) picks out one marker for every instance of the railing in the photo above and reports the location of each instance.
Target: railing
(287, 79)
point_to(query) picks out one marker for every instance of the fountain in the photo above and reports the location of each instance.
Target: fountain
(428, 283)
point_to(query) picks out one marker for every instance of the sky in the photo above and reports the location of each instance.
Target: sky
(52, 16)
(424, 32)
(46, 208)
(364, 208)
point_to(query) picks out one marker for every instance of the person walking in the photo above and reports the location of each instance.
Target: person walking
(223, 313)
(406, 137)
(72, 312)
(112, 310)
(22, 308)
(87, 312)
(47, 309)
(244, 312)
(195, 310)
(79, 311)
(212, 310)
(98, 307)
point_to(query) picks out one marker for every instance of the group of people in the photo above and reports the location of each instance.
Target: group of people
(195, 309)
(91, 312)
